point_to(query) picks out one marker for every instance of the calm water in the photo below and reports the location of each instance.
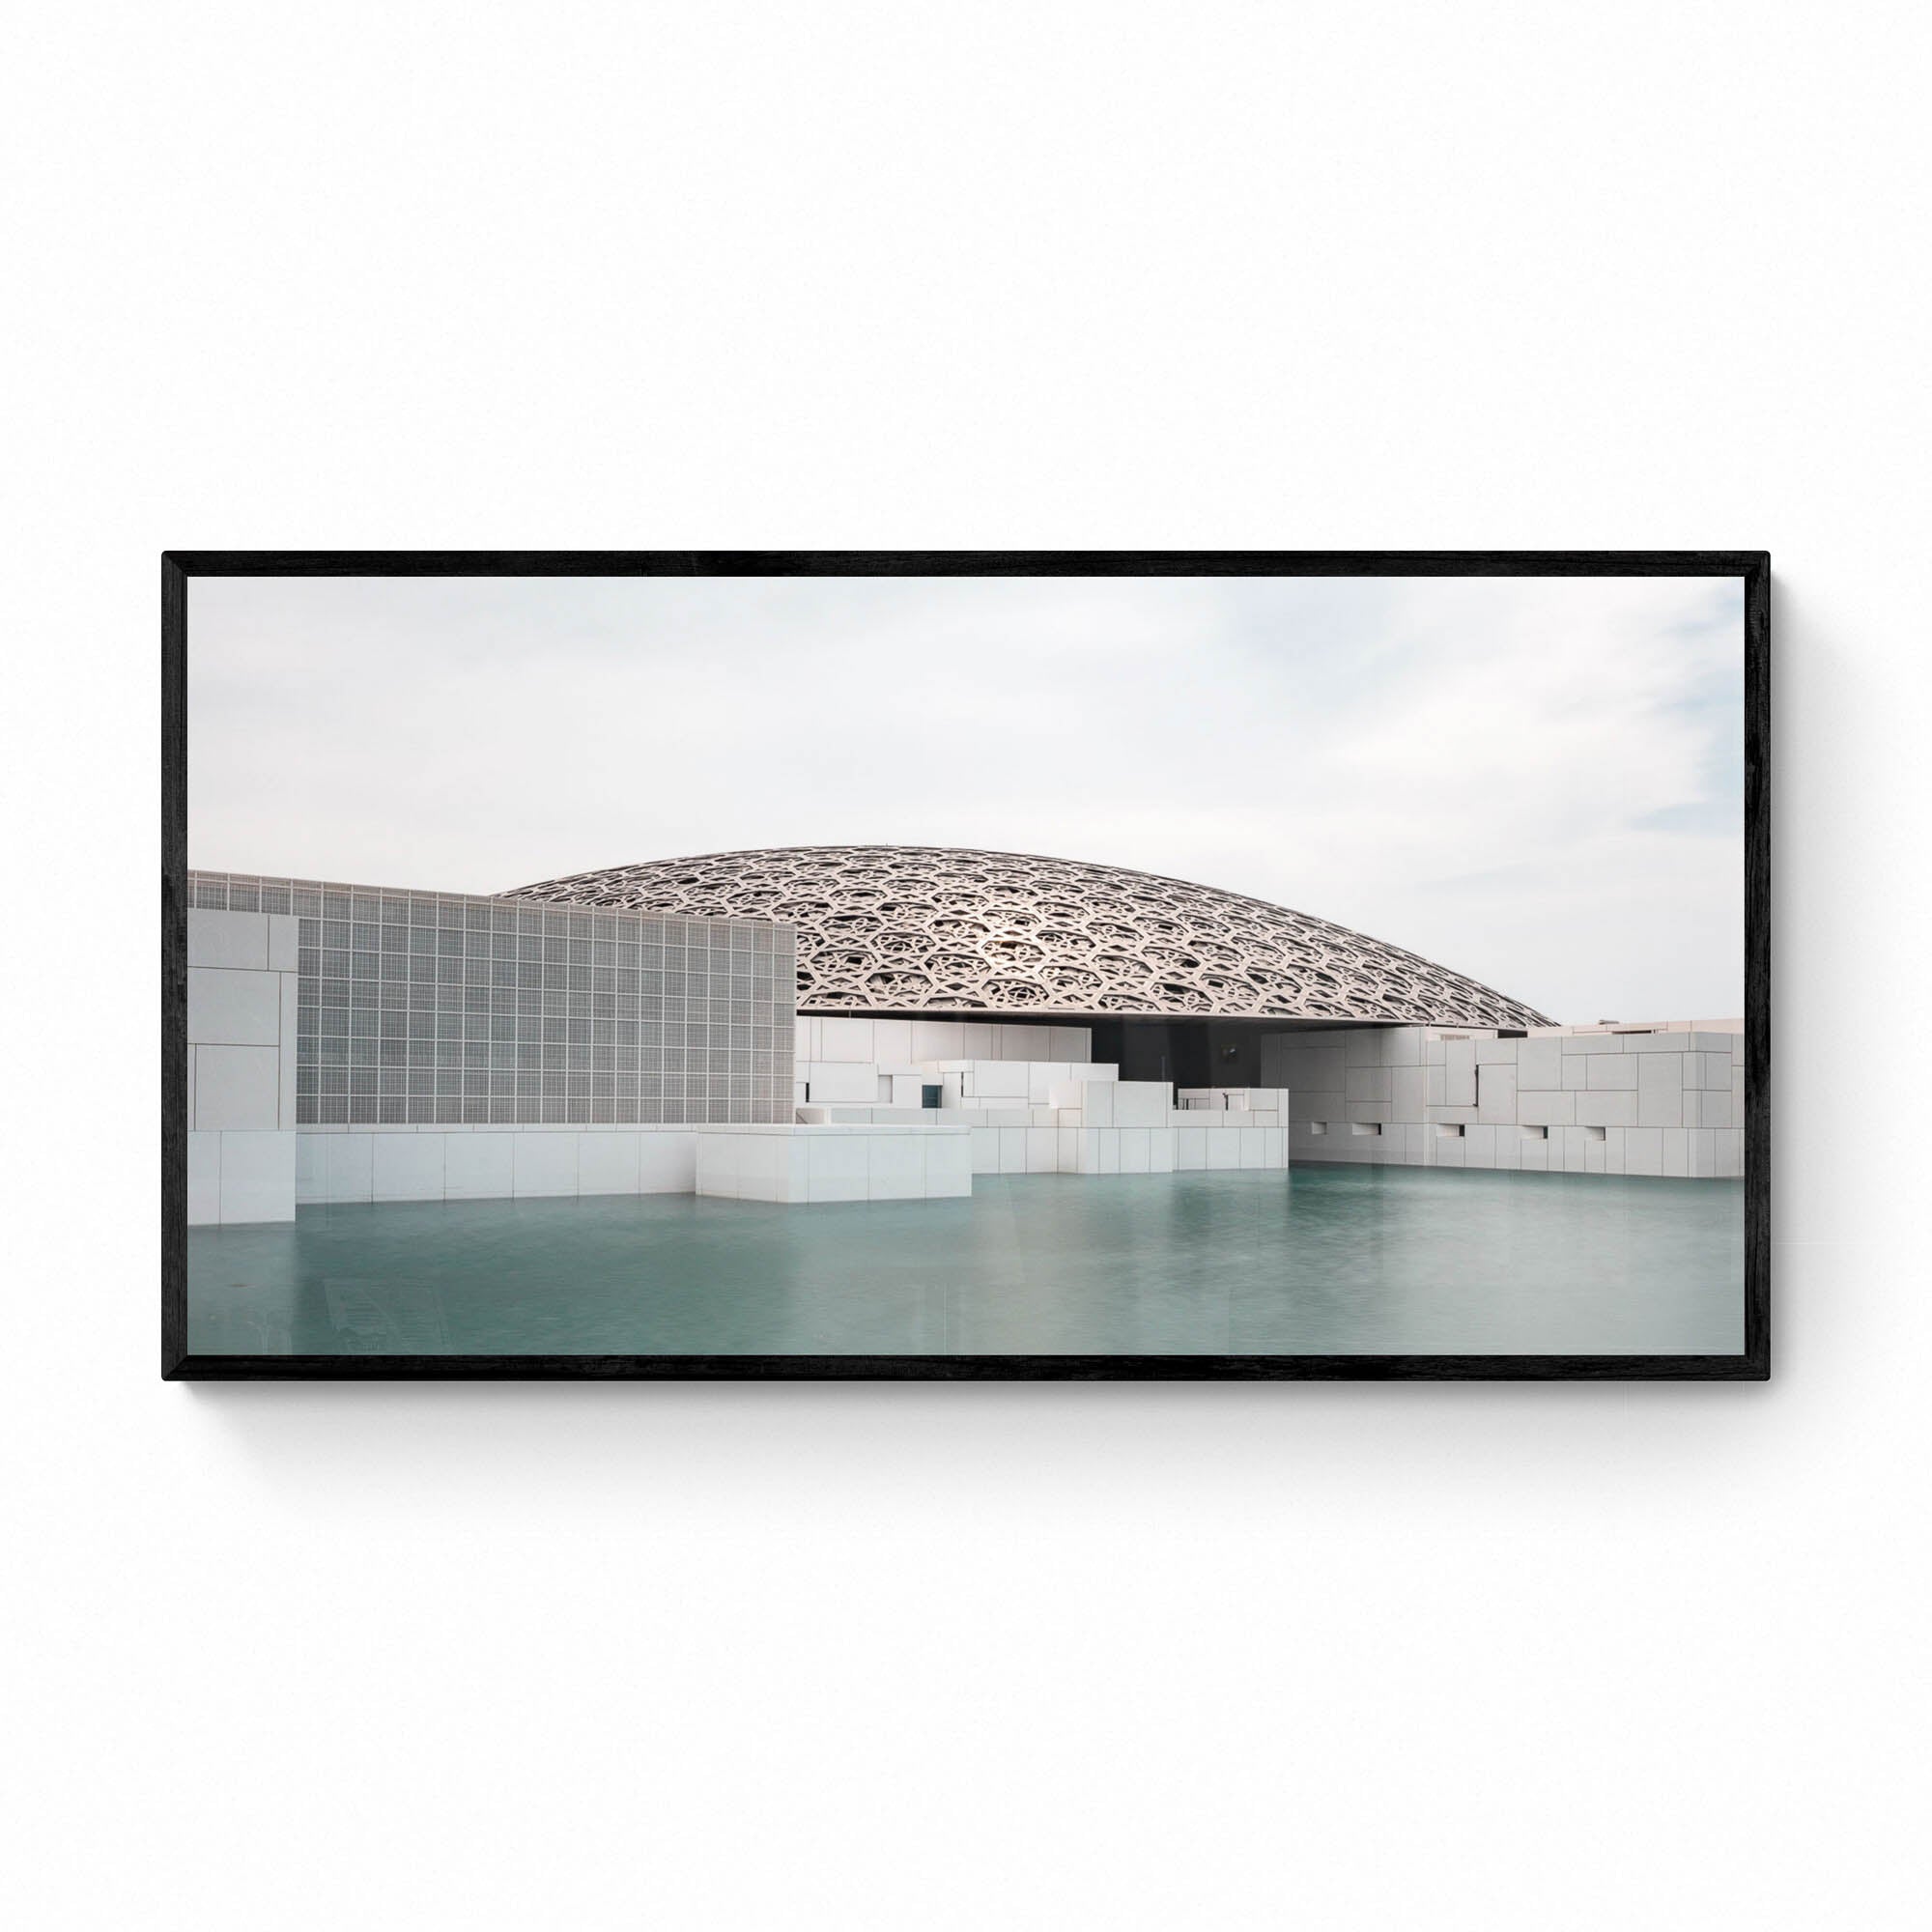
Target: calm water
(1320, 1260)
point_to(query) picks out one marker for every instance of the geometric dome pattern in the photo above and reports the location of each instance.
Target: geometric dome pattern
(912, 928)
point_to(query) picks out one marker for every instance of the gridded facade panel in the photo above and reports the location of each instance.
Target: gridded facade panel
(919, 929)
(444, 1008)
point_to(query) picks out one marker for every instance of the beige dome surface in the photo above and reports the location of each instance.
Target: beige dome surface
(912, 928)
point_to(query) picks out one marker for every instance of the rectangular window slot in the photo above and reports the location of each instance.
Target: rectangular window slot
(1365, 1126)
(1318, 1127)
(1594, 1133)
(1536, 1133)
(1449, 1131)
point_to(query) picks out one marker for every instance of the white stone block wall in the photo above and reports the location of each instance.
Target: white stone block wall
(1668, 1100)
(803, 1165)
(241, 1067)
(832, 1037)
(342, 1165)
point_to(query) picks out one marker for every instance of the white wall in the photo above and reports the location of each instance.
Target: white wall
(498, 1657)
(350, 1164)
(241, 1067)
(1665, 1103)
(838, 1038)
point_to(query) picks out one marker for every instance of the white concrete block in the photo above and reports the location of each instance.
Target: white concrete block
(1479, 1146)
(239, 939)
(1363, 1046)
(1702, 1147)
(1074, 1044)
(1532, 1155)
(1141, 1103)
(979, 1039)
(1043, 1149)
(949, 1166)
(1254, 1147)
(1133, 1149)
(1161, 1150)
(1014, 1149)
(1539, 1066)
(284, 942)
(543, 1163)
(1709, 1071)
(285, 1071)
(997, 1080)
(608, 1163)
(985, 1149)
(1409, 1092)
(1660, 1090)
(1096, 1103)
(257, 1177)
(347, 1162)
(1495, 1053)
(1613, 1109)
(1274, 1146)
(233, 1007)
(1459, 1074)
(1189, 1152)
(1575, 1073)
(939, 1039)
(1643, 1151)
(841, 1083)
(1370, 1086)
(204, 1179)
(237, 1088)
(1612, 1071)
(1401, 1047)
(892, 1044)
(1496, 1092)
(895, 1167)
(310, 1185)
(842, 1037)
(1676, 1151)
(478, 1167)
(1546, 1109)
(1730, 1146)
(407, 1167)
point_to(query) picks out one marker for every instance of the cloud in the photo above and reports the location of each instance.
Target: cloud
(1536, 781)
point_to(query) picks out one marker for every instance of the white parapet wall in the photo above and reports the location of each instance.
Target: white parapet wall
(241, 1067)
(337, 1165)
(815, 1164)
(1665, 1100)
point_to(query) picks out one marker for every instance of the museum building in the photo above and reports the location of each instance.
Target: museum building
(841, 1023)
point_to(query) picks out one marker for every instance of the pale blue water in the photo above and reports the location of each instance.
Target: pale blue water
(1318, 1260)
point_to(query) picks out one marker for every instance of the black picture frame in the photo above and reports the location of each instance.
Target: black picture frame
(1753, 567)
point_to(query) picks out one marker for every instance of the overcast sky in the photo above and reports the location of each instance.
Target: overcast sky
(1537, 782)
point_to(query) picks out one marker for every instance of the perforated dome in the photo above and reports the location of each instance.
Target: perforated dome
(912, 928)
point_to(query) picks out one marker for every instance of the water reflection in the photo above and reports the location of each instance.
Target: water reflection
(1316, 1261)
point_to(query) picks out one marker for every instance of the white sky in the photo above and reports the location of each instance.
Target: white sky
(1535, 782)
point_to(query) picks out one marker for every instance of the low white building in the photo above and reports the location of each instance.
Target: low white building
(837, 1024)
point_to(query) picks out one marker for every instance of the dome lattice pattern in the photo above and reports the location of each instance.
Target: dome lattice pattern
(910, 928)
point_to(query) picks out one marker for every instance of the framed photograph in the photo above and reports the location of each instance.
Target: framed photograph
(965, 964)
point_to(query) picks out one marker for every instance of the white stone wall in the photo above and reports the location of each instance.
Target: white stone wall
(240, 1066)
(1571, 1100)
(803, 1165)
(484, 1163)
(844, 1058)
